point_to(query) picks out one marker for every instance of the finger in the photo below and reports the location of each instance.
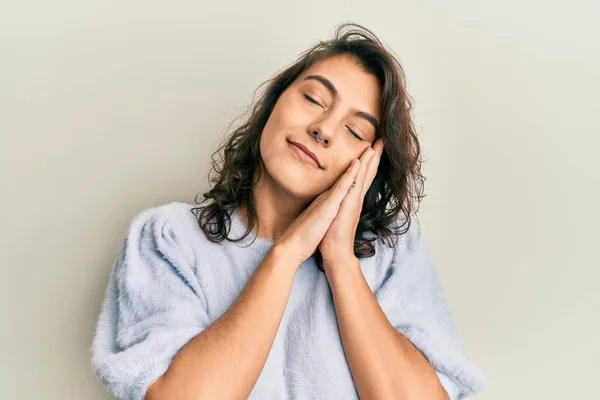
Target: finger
(345, 182)
(353, 199)
(373, 165)
(365, 160)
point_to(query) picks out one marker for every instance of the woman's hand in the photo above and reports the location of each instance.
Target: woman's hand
(301, 238)
(338, 242)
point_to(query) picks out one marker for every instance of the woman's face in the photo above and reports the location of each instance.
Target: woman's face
(338, 100)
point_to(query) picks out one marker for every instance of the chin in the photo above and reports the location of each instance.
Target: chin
(293, 178)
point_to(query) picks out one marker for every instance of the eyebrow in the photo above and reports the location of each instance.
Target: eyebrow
(335, 93)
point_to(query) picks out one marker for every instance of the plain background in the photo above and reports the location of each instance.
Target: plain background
(110, 107)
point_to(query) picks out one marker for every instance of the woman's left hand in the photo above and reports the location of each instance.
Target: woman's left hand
(337, 246)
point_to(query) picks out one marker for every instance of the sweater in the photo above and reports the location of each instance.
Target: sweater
(168, 283)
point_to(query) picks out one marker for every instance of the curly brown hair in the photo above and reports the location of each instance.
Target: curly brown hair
(397, 189)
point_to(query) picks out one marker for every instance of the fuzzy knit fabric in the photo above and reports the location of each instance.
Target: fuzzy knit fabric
(169, 282)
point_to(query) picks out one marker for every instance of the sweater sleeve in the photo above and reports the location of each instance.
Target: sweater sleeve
(412, 298)
(153, 306)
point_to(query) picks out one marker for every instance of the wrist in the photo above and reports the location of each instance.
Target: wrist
(342, 269)
(341, 260)
(284, 255)
(341, 263)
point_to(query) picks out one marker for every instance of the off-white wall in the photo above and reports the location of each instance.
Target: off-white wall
(109, 107)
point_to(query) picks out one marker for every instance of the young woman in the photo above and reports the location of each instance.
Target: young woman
(301, 275)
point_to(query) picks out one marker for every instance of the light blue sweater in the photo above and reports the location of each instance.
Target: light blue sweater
(169, 283)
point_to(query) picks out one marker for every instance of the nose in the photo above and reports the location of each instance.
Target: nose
(322, 131)
(319, 138)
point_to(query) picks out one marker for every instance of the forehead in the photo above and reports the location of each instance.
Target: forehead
(356, 87)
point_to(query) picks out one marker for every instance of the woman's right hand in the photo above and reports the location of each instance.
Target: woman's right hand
(301, 238)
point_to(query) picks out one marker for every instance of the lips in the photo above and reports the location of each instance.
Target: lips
(307, 152)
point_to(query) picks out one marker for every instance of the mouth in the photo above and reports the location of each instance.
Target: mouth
(306, 154)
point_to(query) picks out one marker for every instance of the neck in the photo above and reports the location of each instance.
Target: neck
(276, 208)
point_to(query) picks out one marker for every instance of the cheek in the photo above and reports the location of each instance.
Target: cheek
(341, 163)
(344, 157)
(288, 113)
(335, 172)
(273, 137)
(285, 119)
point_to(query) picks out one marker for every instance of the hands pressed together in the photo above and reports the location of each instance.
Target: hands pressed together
(331, 220)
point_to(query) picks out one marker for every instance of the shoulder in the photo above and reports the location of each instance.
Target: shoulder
(174, 217)
(174, 211)
(166, 228)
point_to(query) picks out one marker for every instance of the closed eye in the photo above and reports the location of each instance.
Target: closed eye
(312, 100)
(354, 134)
(309, 98)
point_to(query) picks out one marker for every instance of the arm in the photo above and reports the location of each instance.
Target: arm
(154, 337)
(384, 364)
(411, 296)
(154, 328)
(225, 360)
